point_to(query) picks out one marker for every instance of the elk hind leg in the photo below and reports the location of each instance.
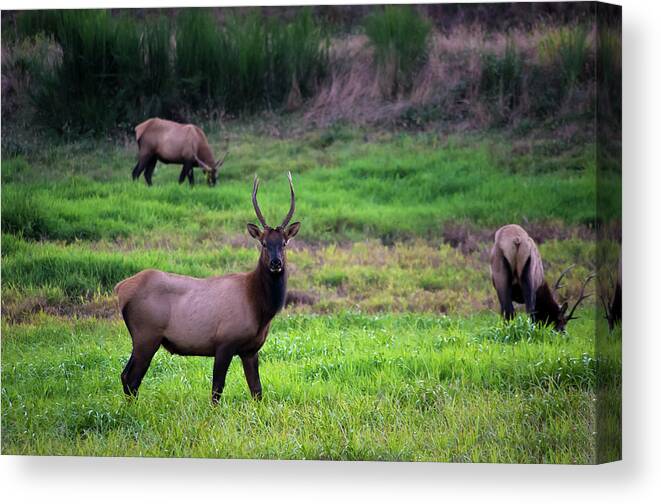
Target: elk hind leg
(502, 281)
(142, 355)
(529, 294)
(149, 169)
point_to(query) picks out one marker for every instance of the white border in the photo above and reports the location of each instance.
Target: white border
(108, 480)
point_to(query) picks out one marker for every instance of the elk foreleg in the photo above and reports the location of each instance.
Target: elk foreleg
(220, 366)
(251, 369)
(187, 171)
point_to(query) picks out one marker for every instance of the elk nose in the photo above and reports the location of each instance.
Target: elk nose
(276, 264)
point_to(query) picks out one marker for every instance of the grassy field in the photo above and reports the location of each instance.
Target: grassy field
(401, 355)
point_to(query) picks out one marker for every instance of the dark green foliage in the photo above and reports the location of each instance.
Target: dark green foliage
(399, 36)
(501, 80)
(262, 60)
(198, 56)
(566, 49)
(115, 70)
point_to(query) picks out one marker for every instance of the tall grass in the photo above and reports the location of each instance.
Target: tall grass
(502, 79)
(263, 60)
(399, 36)
(566, 48)
(198, 55)
(116, 70)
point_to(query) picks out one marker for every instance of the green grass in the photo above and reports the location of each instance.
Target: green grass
(401, 357)
(398, 188)
(341, 387)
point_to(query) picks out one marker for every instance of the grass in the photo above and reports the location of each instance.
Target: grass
(401, 357)
(340, 387)
(395, 188)
(567, 48)
(399, 37)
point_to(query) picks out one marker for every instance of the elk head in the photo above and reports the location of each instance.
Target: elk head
(562, 317)
(273, 240)
(211, 171)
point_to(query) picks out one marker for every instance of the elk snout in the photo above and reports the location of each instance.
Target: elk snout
(275, 265)
(211, 178)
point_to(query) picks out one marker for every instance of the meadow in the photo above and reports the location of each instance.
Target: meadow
(399, 353)
(412, 134)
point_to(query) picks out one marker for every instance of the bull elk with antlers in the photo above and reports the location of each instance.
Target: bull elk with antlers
(517, 274)
(173, 143)
(218, 317)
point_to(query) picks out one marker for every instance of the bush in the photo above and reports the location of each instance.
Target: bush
(399, 37)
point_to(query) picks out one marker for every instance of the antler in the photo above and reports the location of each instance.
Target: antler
(202, 164)
(557, 283)
(292, 205)
(220, 163)
(581, 297)
(260, 217)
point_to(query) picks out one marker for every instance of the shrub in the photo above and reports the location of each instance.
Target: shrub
(399, 37)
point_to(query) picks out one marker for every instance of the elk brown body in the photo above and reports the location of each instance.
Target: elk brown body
(218, 317)
(173, 143)
(517, 274)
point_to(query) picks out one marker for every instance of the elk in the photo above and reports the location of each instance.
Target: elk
(173, 143)
(517, 275)
(613, 307)
(217, 317)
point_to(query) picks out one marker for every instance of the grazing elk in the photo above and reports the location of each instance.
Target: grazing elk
(613, 307)
(173, 143)
(216, 317)
(517, 274)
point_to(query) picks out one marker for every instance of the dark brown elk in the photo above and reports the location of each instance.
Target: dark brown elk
(517, 273)
(613, 306)
(217, 317)
(173, 143)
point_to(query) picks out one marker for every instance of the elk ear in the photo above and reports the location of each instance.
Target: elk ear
(254, 231)
(563, 308)
(291, 230)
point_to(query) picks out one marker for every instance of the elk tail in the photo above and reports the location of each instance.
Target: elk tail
(140, 129)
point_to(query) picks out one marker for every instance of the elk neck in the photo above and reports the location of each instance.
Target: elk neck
(546, 307)
(268, 290)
